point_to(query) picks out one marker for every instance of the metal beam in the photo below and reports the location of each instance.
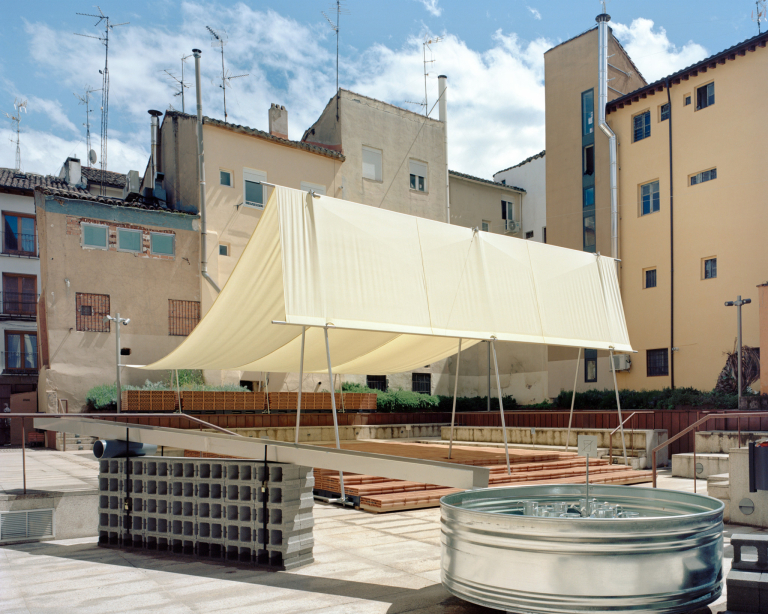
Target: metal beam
(430, 472)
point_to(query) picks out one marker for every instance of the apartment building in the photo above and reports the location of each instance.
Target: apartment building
(531, 176)
(103, 256)
(691, 216)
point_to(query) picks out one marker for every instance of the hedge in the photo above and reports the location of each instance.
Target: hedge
(667, 398)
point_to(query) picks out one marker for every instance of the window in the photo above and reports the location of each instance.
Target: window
(486, 226)
(418, 176)
(94, 236)
(657, 362)
(225, 178)
(377, 382)
(422, 382)
(371, 163)
(162, 243)
(705, 96)
(253, 190)
(589, 160)
(91, 311)
(589, 233)
(306, 186)
(664, 112)
(19, 234)
(507, 210)
(223, 249)
(687, 101)
(590, 365)
(529, 234)
(649, 278)
(20, 351)
(183, 316)
(649, 198)
(709, 268)
(589, 197)
(128, 240)
(704, 176)
(642, 126)
(587, 112)
(20, 294)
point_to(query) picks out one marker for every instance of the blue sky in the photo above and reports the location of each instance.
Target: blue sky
(492, 53)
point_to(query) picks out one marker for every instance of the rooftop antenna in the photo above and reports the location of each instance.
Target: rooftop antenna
(339, 8)
(758, 14)
(604, 4)
(18, 107)
(182, 85)
(219, 40)
(86, 100)
(104, 38)
(426, 45)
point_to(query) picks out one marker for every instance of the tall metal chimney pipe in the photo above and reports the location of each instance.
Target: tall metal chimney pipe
(602, 101)
(153, 166)
(442, 88)
(201, 172)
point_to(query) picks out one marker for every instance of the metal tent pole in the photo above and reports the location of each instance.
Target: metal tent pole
(501, 405)
(301, 382)
(618, 406)
(455, 391)
(573, 401)
(333, 407)
(489, 376)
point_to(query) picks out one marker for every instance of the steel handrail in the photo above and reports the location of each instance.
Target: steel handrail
(610, 437)
(693, 426)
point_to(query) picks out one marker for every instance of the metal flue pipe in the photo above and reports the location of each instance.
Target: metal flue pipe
(115, 448)
(154, 130)
(442, 85)
(201, 173)
(602, 101)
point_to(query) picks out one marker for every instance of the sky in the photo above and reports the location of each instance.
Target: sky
(491, 51)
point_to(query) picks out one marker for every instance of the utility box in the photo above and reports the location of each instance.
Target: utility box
(758, 466)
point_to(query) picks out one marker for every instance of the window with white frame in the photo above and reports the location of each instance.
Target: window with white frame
(94, 236)
(253, 188)
(306, 186)
(418, 176)
(128, 240)
(372, 163)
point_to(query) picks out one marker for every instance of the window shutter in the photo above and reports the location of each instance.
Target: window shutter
(503, 210)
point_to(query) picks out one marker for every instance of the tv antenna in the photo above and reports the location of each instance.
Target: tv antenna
(182, 85)
(604, 4)
(104, 38)
(219, 40)
(86, 100)
(426, 45)
(339, 8)
(758, 14)
(18, 107)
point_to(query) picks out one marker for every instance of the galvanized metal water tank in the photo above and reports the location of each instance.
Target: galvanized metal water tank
(668, 559)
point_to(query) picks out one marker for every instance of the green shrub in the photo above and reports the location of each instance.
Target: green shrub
(666, 398)
(476, 403)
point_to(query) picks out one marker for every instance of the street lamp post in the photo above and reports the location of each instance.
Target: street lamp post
(118, 321)
(738, 303)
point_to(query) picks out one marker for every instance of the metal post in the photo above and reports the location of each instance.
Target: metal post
(178, 391)
(588, 510)
(618, 406)
(455, 391)
(117, 361)
(695, 469)
(489, 375)
(573, 401)
(301, 382)
(738, 304)
(501, 405)
(266, 389)
(333, 407)
(24, 454)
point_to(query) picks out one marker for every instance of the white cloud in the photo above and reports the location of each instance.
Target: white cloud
(651, 50)
(431, 6)
(54, 111)
(535, 13)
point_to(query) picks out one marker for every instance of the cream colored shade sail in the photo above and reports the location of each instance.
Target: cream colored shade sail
(398, 290)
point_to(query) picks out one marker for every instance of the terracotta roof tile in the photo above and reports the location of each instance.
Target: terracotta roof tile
(14, 181)
(112, 179)
(139, 203)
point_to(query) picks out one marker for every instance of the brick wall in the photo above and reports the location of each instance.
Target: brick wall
(74, 228)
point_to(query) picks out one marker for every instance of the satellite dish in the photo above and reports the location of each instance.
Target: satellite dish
(92, 156)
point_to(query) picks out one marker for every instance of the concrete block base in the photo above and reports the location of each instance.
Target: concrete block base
(707, 464)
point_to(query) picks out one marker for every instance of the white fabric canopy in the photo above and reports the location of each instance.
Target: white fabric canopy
(399, 291)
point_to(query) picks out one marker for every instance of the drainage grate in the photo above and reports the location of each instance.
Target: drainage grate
(32, 524)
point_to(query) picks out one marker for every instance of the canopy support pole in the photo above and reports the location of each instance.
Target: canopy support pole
(178, 392)
(573, 401)
(301, 384)
(618, 406)
(455, 391)
(266, 388)
(333, 407)
(501, 404)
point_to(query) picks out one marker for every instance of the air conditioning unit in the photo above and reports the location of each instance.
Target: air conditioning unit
(512, 226)
(622, 362)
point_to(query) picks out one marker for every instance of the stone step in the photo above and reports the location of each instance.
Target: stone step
(706, 464)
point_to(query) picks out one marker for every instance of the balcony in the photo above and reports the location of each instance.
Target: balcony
(19, 306)
(19, 245)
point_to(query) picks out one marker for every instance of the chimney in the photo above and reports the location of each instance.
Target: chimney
(71, 173)
(153, 165)
(278, 121)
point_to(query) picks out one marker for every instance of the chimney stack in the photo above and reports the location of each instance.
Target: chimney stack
(71, 172)
(153, 167)
(278, 121)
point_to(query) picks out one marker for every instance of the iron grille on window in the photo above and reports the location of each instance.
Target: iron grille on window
(91, 311)
(377, 382)
(422, 382)
(657, 362)
(650, 278)
(183, 316)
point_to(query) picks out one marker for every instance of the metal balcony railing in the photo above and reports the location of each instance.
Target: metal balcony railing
(19, 306)
(19, 245)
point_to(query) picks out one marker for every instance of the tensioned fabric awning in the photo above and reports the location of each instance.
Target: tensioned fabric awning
(398, 291)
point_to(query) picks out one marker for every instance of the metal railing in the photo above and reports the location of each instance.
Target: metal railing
(19, 305)
(631, 437)
(21, 245)
(695, 426)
